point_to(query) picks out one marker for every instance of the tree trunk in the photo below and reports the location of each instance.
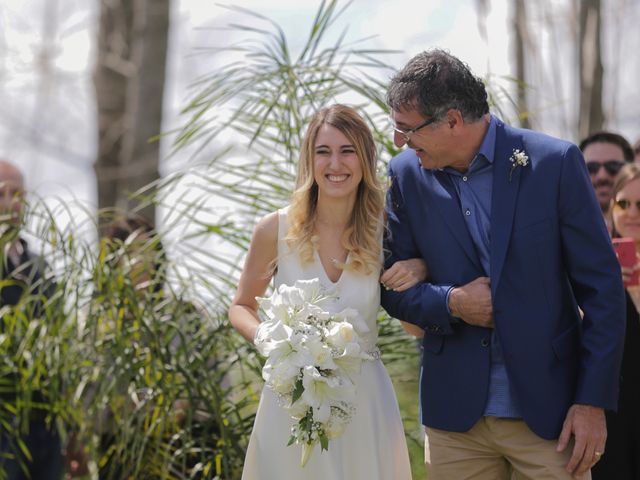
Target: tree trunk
(129, 78)
(145, 97)
(521, 38)
(111, 76)
(591, 116)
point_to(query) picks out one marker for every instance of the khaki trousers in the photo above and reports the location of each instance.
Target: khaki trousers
(495, 449)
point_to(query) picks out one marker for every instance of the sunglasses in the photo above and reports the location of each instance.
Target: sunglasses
(611, 166)
(624, 204)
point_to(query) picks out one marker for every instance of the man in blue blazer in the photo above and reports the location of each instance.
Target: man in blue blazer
(523, 314)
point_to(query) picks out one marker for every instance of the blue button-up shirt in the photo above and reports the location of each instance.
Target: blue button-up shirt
(474, 192)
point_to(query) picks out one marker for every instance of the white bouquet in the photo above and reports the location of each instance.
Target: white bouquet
(312, 356)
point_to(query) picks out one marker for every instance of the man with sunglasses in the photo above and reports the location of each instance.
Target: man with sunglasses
(513, 380)
(605, 153)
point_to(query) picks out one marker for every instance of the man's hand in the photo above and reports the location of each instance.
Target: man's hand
(587, 424)
(472, 302)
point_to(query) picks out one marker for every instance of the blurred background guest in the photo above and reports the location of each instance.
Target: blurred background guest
(29, 449)
(621, 459)
(605, 153)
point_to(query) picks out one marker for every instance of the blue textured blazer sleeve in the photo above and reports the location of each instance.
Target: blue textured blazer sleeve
(425, 304)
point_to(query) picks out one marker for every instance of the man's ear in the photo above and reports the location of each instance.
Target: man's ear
(454, 118)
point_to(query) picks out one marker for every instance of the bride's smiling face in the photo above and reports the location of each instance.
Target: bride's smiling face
(336, 167)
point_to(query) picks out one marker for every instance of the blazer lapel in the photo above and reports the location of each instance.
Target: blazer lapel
(506, 183)
(446, 201)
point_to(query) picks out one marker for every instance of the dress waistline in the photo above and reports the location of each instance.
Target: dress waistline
(372, 353)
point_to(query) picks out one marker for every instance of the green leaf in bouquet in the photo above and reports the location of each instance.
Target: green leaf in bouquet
(297, 391)
(324, 440)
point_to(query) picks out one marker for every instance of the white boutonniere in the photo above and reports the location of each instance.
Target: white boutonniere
(518, 159)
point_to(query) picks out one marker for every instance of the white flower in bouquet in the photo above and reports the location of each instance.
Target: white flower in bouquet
(281, 376)
(288, 301)
(312, 358)
(272, 339)
(351, 359)
(319, 354)
(341, 334)
(338, 421)
(298, 410)
(322, 391)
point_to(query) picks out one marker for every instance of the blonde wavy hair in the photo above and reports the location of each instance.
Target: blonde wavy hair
(362, 237)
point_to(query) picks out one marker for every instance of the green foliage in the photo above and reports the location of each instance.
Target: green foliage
(147, 380)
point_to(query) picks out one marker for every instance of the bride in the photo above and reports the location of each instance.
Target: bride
(331, 231)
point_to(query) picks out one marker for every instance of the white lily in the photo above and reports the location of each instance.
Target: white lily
(273, 339)
(281, 376)
(320, 389)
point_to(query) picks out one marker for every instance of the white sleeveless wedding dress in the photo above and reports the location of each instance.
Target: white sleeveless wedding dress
(373, 446)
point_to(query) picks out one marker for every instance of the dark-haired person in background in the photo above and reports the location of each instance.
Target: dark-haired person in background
(605, 153)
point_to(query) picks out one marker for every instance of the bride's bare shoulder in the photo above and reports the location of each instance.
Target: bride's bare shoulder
(266, 230)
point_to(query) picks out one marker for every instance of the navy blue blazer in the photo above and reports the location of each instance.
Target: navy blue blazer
(550, 254)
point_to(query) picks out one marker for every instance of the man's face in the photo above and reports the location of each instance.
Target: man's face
(604, 160)
(11, 197)
(427, 141)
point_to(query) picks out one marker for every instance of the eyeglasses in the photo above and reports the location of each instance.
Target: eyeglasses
(611, 166)
(624, 204)
(406, 134)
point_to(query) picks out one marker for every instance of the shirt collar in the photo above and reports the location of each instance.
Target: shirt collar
(488, 145)
(485, 154)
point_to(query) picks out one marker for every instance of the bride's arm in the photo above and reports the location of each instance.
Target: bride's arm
(412, 329)
(404, 274)
(255, 277)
